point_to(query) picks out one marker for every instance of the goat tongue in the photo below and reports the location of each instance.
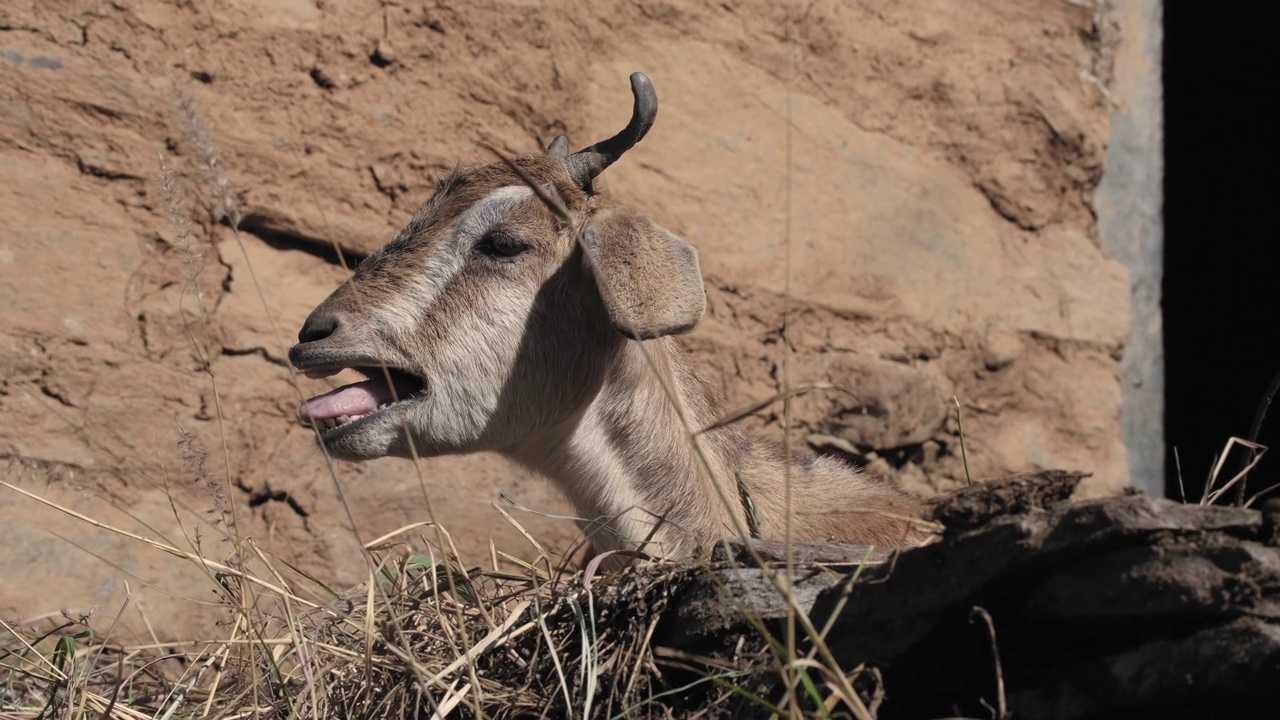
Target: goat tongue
(354, 400)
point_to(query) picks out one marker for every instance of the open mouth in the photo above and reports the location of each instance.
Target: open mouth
(349, 404)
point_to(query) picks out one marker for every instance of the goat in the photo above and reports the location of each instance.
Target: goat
(491, 323)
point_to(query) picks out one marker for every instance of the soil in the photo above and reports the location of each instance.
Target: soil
(943, 241)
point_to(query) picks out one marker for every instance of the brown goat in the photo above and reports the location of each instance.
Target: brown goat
(492, 323)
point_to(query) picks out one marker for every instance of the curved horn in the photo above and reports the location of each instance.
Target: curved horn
(587, 163)
(559, 147)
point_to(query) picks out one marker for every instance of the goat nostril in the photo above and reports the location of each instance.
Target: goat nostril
(318, 327)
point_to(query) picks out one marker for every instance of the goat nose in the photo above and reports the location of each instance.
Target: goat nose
(318, 326)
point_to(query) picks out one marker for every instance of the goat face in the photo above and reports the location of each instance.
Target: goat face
(488, 322)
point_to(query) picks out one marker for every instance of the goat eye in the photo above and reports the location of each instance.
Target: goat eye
(499, 244)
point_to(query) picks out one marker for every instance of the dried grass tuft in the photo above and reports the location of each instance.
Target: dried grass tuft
(538, 647)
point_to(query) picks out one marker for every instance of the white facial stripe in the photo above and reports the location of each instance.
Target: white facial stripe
(450, 256)
(482, 216)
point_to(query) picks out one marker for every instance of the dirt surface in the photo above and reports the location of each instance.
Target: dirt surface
(942, 235)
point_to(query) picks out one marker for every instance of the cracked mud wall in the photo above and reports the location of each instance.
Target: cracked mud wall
(943, 235)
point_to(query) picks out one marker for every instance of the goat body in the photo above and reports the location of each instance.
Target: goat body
(522, 312)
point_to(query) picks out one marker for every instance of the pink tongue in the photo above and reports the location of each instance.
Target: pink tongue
(354, 400)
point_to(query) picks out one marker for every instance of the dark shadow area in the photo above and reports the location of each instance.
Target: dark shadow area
(272, 232)
(1220, 294)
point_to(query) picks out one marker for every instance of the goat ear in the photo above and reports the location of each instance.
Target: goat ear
(649, 278)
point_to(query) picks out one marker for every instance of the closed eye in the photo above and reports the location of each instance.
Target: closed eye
(500, 244)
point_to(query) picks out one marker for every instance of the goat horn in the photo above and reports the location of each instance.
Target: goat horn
(587, 163)
(559, 147)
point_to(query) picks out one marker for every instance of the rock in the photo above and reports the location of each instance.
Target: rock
(972, 506)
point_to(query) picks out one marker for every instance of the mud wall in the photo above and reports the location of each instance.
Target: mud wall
(943, 228)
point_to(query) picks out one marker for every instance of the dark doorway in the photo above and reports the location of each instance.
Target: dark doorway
(1221, 290)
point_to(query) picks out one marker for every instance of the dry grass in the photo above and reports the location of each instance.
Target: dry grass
(540, 644)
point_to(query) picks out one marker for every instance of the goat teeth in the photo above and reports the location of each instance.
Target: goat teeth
(333, 422)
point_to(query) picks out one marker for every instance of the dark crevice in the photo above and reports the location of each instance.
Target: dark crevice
(56, 396)
(228, 275)
(260, 352)
(141, 323)
(265, 496)
(265, 229)
(101, 172)
(51, 393)
(321, 79)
